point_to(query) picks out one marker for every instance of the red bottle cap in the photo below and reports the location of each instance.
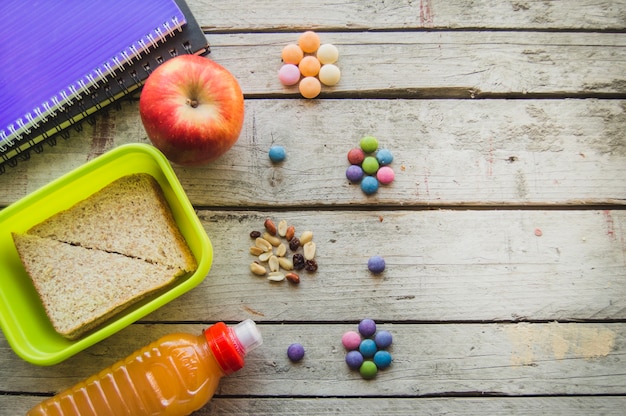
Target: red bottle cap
(230, 345)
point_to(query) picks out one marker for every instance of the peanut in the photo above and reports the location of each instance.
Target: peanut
(282, 228)
(257, 269)
(306, 237)
(292, 278)
(276, 277)
(272, 239)
(309, 250)
(270, 226)
(263, 244)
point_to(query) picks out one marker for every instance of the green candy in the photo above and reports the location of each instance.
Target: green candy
(369, 144)
(368, 369)
(370, 165)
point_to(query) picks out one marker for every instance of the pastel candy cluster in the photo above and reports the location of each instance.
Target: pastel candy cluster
(309, 64)
(369, 165)
(367, 349)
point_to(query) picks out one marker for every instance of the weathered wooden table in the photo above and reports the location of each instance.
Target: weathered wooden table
(504, 232)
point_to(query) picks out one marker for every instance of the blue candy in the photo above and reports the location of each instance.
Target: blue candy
(369, 185)
(277, 154)
(384, 156)
(382, 359)
(368, 348)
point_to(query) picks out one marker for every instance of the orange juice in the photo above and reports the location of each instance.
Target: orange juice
(174, 375)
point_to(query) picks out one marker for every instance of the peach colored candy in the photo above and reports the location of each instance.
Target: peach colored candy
(310, 87)
(309, 41)
(309, 66)
(292, 54)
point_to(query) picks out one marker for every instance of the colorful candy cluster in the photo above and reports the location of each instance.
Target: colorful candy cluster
(309, 65)
(366, 349)
(369, 165)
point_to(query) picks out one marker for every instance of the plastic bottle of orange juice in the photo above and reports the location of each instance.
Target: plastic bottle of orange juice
(174, 375)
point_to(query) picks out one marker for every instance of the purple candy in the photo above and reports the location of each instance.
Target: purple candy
(354, 173)
(383, 339)
(354, 359)
(376, 264)
(367, 327)
(295, 352)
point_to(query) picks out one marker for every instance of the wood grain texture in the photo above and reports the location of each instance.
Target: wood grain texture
(504, 231)
(441, 359)
(446, 153)
(441, 266)
(279, 15)
(439, 64)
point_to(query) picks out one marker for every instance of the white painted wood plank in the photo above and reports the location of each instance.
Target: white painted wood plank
(556, 406)
(441, 266)
(274, 15)
(443, 359)
(447, 153)
(439, 64)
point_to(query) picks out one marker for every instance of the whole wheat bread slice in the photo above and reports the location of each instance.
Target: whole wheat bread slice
(81, 288)
(130, 216)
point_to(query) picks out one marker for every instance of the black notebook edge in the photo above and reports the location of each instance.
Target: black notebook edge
(190, 39)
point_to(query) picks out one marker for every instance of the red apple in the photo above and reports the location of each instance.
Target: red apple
(192, 109)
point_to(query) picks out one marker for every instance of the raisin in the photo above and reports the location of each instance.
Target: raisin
(298, 261)
(294, 243)
(310, 265)
(255, 234)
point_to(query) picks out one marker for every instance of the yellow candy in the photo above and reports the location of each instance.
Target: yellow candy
(329, 74)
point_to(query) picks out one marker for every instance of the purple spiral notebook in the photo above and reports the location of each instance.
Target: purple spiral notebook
(62, 61)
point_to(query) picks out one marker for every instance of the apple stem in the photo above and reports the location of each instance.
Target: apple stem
(193, 103)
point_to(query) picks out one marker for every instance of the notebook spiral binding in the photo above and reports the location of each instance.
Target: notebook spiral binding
(123, 74)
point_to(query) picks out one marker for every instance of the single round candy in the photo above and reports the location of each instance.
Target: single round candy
(376, 264)
(295, 352)
(329, 74)
(383, 339)
(351, 340)
(309, 41)
(368, 348)
(370, 165)
(382, 359)
(310, 87)
(292, 54)
(367, 327)
(289, 74)
(328, 53)
(384, 156)
(385, 175)
(277, 154)
(309, 66)
(354, 173)
(356, 156)
(369, 144)
(369, 185)
(368, 369)
(354, 359)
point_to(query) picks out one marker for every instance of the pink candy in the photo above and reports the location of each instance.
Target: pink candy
(289, 74)
(385, 175)
(351, 340)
